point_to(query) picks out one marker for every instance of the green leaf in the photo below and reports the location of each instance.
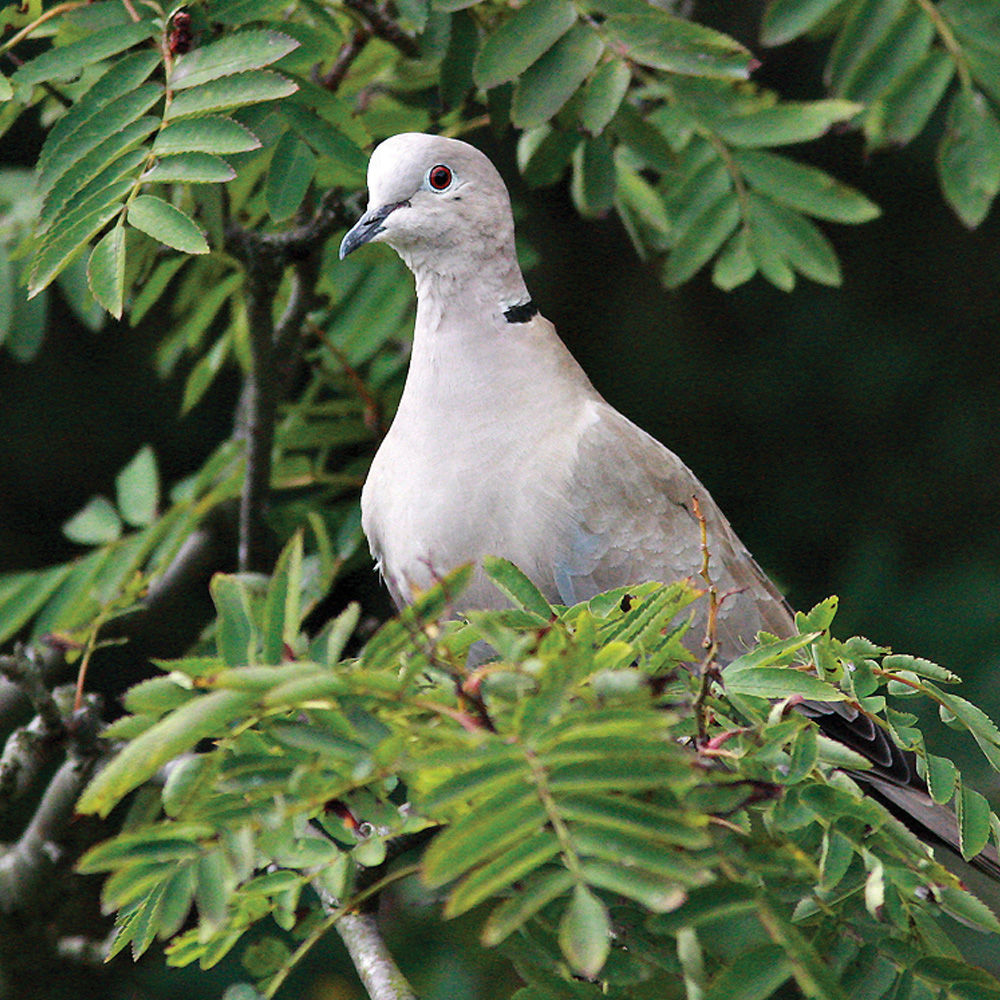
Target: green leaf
(236, 636)
(138, 489)
(191, 168)
(784, 20)
(968, 157)
(594, 177)
(516, 587)
(778, 682)
(292, 169)
(6, 90)
(677, 46)
(498, 874)
(771, 652)
(161, 220)
(67, 61)
(513, 913)
(199, 719)
(838, 853)
(543, 154)
(106, 123)
(521, 40)
(735, 265)
(97, 524)
(554, 78)
(900, 48)
(973, 822)
(585, 933)
(803, 187)
(804, 754)
(785, 123)
(864, 27)
(282, 605)
(456, 69)
(636, 818)
(899, 115)
(21, 596)
(702, 238)
(963, 906)
(204, 372)
(942, 777)
(480, 835)
(797, 239)
(754, 975)
(63, 146)
(235, 53)
(207, 134)
(604, 95)
(918, 665)
(657, 893)
(983, 728)
(327, 140)
(166, 842)
(104, 164)
(252, 87)
(106, 270)
(157, 696)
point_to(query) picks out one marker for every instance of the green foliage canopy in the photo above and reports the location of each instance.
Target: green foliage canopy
(634, 828)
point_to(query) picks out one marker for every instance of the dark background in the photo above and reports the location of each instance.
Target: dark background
(850, 434)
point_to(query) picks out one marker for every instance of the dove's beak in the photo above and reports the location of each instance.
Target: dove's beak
(370, 225)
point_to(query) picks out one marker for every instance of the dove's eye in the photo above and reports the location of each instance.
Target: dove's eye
(439, 177)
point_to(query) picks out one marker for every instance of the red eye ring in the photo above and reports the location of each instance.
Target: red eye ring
(439, 177)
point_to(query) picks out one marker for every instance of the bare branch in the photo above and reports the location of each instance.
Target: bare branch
(21, 669)
(25, 865)
(349, 51)
(385, 27)
(376, 967)
(264, 257)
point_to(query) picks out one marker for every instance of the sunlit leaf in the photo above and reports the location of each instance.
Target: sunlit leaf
(166, 223)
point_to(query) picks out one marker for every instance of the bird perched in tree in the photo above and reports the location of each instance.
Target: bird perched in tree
(501, 446)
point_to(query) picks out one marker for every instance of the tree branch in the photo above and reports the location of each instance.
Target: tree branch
(25, 866)
(385, 27)
(376, 967)
(349, 51)
(264, 257)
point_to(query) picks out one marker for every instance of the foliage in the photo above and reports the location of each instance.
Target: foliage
(561, 785)
(165, 125)
(196, 159)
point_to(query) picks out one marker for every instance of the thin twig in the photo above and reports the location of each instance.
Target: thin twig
(709, 669)
(385, 27)
(349, 51)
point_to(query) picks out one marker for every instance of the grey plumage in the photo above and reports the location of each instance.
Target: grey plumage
(501, 446)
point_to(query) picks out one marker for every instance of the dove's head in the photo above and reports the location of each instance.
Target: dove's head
(438, 202)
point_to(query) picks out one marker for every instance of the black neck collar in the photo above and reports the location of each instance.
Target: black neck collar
(521, 313)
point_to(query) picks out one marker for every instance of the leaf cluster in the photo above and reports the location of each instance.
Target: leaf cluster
(155, 147)
(563, 786)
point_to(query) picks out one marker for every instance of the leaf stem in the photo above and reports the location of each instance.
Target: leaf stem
(60, 8)
(949, 41)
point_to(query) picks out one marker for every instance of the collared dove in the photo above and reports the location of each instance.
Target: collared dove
(501, 446)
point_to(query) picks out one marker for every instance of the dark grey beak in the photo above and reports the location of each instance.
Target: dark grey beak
(367, 227)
